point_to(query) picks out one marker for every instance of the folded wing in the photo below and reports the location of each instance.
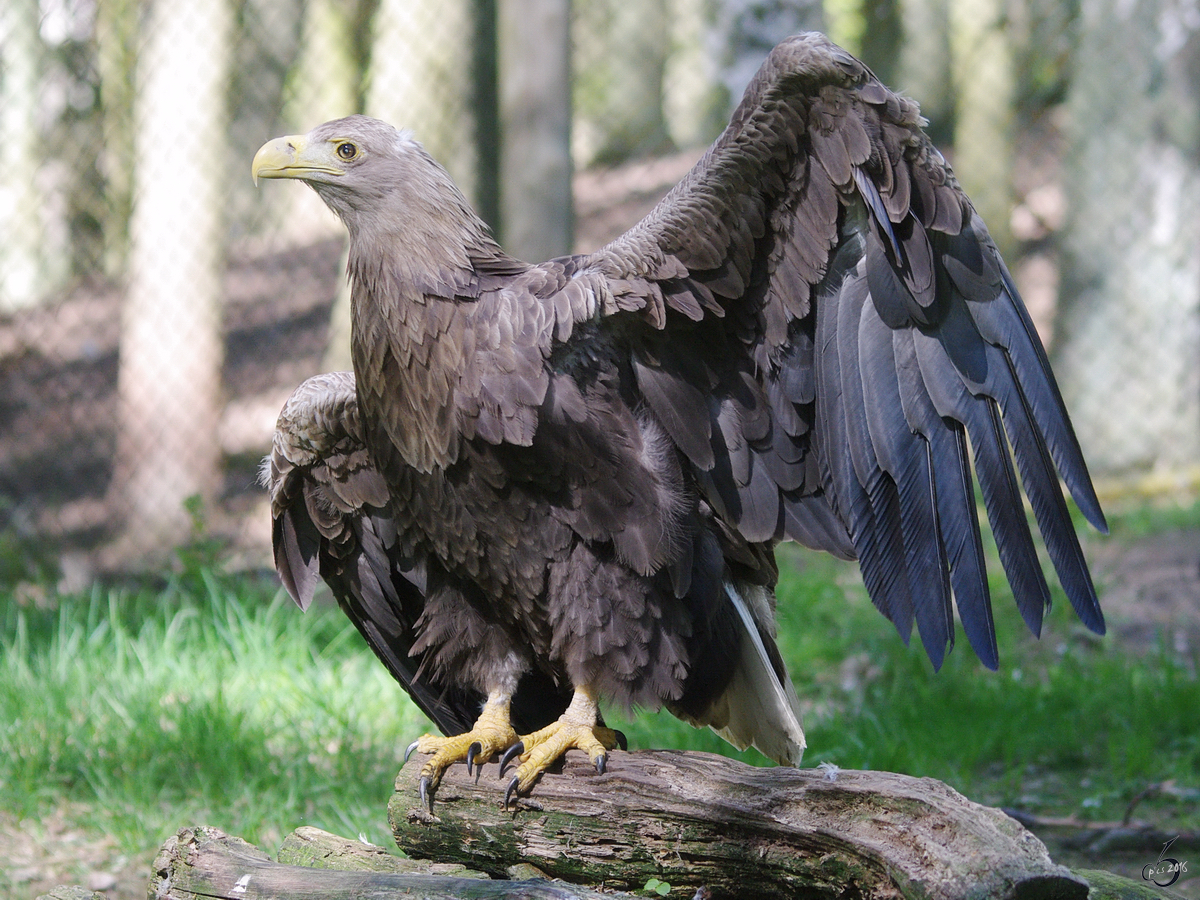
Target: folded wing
(331, 519)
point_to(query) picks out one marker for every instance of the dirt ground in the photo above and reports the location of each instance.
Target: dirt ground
(37, 855)
(1151, 590)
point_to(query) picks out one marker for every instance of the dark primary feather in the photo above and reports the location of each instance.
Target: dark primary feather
(553, 469)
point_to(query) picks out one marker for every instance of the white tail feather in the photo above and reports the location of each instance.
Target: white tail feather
(757, 708)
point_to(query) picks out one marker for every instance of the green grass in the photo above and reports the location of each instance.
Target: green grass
(220, 704)
(213, 700)
(1070, 725)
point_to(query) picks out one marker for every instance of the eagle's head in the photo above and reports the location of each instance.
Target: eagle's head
(366, 171)
(403, 211)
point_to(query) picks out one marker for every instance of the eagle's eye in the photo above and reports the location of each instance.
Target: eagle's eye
(347, 151)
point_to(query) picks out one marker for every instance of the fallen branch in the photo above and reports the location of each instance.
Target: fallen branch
(1102, 839)
(71, 892)
(695, 819)
(206, 864)
(317, 849)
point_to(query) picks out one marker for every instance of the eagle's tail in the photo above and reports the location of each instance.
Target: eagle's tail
(759, 707)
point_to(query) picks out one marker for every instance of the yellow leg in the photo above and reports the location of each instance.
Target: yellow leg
(491, 734)
(576, 728)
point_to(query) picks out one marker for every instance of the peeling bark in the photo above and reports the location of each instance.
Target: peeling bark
(694, 819)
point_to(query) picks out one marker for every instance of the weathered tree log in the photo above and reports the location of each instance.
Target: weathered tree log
(317, 849)
(206, 864)
(71, 892)
(1109, 886)
(695, 819)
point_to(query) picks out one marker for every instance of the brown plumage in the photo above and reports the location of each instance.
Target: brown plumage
(570, 476)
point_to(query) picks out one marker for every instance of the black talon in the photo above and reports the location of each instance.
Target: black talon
(515, 750)
(622, 741)
(601, 763)
(474, 749)
(426, 799)
(511, 791)
(409, 751)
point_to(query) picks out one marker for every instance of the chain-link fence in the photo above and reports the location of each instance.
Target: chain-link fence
(156, 309)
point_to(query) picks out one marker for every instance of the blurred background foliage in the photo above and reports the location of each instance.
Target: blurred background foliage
(156, 309)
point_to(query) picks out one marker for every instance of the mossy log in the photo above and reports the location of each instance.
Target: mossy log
(696, 820)
(71, 892)
(317, 849)
(206, 864)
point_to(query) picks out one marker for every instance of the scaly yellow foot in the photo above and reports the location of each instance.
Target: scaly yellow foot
(491, 733)
(575, 728)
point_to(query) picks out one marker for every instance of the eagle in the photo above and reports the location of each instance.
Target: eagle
(550, 485)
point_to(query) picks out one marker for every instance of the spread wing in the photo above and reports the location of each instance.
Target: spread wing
(819, 320)
(331, 519)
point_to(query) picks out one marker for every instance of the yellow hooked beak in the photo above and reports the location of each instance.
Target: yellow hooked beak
(293, 157)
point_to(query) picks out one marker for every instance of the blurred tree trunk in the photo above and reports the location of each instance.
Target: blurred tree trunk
(171, 351)
(21, 264)
(323, 84)
(485, 110)
(535, 127)
(635, 55)
(746, 30)
(116, 59)
(698, 37)
(421, 78)
(923, 69)
(883, 37)
(983, 132)
(693, 103)
(1129, 356)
